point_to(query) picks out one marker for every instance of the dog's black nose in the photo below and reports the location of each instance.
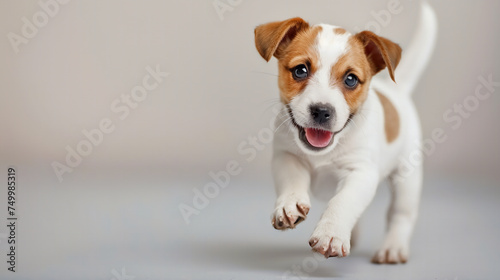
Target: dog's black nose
(322, 113)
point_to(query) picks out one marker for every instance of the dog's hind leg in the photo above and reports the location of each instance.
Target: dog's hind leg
(405, 185)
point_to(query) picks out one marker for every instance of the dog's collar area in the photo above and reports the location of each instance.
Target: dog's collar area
(302, 131)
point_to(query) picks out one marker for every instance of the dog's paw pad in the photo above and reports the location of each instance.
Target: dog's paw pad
(330, 246)
(391, 255)
(289, 214)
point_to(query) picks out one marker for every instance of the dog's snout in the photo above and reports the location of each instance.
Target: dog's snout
(322, 113)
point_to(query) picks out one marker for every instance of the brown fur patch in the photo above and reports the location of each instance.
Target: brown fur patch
(271, 38)
(381, 52)
(352, 62)
(339, 31)
(301, 50)
(391, 118)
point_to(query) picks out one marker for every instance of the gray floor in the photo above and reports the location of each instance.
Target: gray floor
(127, 227)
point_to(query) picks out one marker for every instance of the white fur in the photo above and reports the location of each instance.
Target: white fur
(359, 157)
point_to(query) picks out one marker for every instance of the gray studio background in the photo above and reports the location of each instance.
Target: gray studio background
(119, 208)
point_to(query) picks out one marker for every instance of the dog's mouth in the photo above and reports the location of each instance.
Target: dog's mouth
(315, 138)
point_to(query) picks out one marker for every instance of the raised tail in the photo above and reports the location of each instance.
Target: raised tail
(417, 55)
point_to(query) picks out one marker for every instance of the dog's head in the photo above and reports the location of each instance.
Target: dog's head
(324, 74)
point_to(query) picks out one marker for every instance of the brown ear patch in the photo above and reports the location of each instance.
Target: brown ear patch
(272, 38)
(391, 118)
(381, 52)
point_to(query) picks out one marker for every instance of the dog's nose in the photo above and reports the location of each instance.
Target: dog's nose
(322, 113)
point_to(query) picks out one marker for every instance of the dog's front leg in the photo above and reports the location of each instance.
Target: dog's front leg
(292, 179)
(333, 232)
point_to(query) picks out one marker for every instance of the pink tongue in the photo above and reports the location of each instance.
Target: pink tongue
(318, 138)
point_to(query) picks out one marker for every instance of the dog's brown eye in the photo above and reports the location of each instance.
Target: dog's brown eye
(351, 81)
(300, 72)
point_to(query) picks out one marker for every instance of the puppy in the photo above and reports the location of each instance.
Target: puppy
(339, 120)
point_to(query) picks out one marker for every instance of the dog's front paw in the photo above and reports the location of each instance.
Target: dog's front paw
(391, 254)
(289, 212)
(327, 243)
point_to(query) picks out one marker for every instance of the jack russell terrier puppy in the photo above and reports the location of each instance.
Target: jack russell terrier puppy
(340, 122)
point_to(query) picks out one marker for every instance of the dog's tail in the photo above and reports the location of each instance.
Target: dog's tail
(417, 55)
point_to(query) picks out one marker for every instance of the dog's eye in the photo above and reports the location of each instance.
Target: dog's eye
(300, 72)
(351, 81)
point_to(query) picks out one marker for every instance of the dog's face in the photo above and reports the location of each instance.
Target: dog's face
(324, 75)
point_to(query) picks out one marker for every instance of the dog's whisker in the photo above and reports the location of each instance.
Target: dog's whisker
(270, 100)
(264, 73)
(283, 122)
(270, 106)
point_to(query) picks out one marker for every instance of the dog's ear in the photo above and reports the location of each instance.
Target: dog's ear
(272, 38)
(381, 52)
